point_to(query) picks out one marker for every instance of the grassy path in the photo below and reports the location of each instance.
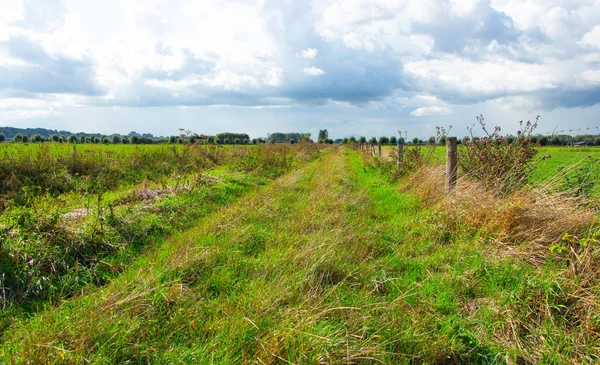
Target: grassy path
(329, 264)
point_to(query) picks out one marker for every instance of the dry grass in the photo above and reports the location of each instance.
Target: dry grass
(532, 219)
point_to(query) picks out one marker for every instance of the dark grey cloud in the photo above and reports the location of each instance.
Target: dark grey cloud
(41, 72)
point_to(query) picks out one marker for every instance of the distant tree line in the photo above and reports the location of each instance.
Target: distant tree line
(279, 137)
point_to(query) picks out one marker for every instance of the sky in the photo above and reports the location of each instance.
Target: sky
(353, 67)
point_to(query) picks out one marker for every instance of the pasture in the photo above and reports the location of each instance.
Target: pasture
(279, 254)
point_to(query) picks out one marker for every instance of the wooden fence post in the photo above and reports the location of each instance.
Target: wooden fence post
(400, 154)
(379, 145)
(451, 163)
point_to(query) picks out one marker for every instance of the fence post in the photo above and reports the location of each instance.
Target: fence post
(451, 163)
(400, 154)
(379, 145)
(373, 149)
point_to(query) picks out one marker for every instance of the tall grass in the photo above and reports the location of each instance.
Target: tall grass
(49, 251)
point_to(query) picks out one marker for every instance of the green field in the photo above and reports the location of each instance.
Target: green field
(300, 254)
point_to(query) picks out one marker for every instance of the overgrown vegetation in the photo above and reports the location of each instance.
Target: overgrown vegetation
(502, 163)
(352, 258)
(54, 244)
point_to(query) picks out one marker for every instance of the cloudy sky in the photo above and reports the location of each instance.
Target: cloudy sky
(355, 67)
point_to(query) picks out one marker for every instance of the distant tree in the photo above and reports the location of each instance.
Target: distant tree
(82, 139)
(226, 141)
(25, 138)
(352, 139)
(543, 141)
(2, 138)
(260, 140)
(134, 139)
(415, 140)
(88, 139)
(475, 139)
(105, 140)
(362, 139)
(384, 140)
(329, 141)
(323, 134)
(54, 138)
(18, 138)
(373, 140)
(254, 140)
(210, 139)
(116, 139)
(236, 141)
(555, 141)
(37, 138)
(72, 138)
(442, 140)
(345, 141)
(534, 139)
(511, 139)
(246, 141)
(292, 141)
(401, 140)
(173, 139)
(431, 140)
(393, 140)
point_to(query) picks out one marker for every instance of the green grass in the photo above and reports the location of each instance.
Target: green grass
(55, 245)
(329, 264)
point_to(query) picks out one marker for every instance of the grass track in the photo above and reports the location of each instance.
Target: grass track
(329, 264)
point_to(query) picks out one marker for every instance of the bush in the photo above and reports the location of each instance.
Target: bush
(499, 164)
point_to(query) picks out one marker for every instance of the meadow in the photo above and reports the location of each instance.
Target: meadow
(303, 254)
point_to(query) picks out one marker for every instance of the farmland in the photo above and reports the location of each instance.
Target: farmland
(290, 254)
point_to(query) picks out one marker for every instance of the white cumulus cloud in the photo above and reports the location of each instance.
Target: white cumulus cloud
(309, 53)
(313, 71)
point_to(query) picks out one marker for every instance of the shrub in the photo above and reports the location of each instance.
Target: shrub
(499, 164)
(543, 141)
